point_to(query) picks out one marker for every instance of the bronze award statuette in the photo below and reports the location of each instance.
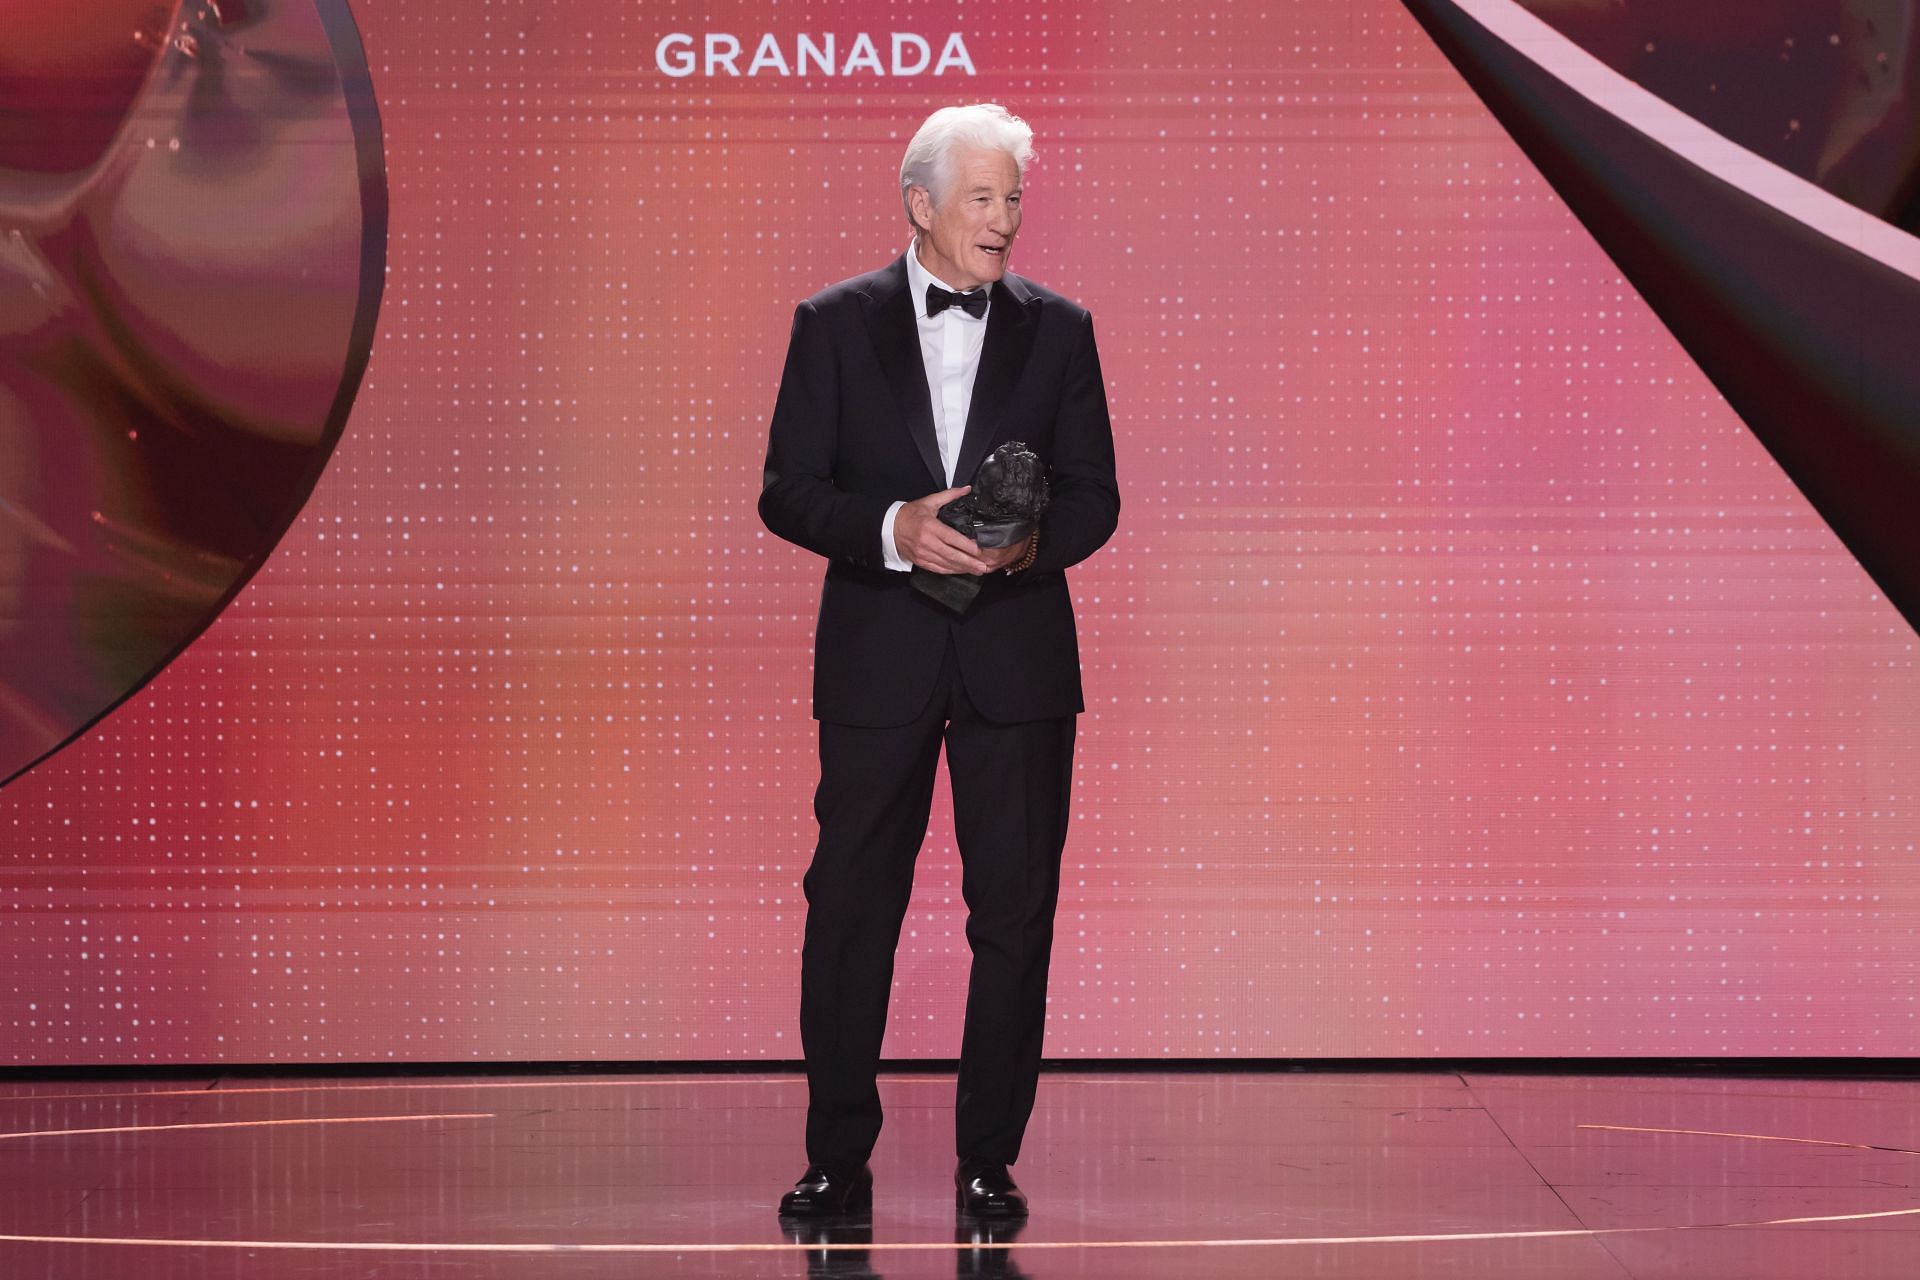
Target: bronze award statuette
(1009, 492)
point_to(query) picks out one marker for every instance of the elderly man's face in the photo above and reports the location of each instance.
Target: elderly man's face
(966, 239)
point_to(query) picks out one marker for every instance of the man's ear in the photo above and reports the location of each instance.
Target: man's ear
(920, 202)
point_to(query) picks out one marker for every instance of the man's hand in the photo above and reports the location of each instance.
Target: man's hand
(922, 539)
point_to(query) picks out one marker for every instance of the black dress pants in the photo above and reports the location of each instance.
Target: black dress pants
(1010, 789)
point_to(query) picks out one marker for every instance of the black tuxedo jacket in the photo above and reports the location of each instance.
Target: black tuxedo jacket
(852, 432)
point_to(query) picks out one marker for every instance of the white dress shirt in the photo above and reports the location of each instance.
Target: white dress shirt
(950, 345)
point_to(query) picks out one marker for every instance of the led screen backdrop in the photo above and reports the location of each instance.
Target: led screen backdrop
(1466, 676)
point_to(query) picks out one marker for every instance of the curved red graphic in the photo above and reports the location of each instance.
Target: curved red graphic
(192, 241)
(1752, 250)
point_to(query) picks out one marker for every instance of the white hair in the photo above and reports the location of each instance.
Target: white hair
(929, 159)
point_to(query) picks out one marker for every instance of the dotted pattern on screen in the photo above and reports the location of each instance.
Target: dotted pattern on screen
(1464, 678)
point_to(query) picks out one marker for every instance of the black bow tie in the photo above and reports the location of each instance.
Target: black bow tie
(973, 302)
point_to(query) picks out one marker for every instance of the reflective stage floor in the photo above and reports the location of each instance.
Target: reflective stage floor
(1178, 1174)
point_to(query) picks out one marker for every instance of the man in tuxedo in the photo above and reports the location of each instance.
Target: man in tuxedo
(897, 384)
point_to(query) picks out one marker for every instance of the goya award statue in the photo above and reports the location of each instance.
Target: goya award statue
(1003, 506)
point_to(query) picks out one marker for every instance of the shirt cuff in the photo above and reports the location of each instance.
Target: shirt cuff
(893, 558)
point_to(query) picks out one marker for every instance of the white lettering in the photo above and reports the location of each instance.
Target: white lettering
(681, 61)
(900, 40)
(822, 56)
(715, 53)
(716, 43)
(955, 53)
(769, 55)
(870, 59)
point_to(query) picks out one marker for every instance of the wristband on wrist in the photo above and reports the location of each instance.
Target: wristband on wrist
(1033, 549)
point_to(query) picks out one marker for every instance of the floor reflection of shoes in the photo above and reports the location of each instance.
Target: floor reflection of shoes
(983, 1254)
(843, 1260)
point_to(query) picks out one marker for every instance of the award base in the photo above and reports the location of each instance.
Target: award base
(957, 591)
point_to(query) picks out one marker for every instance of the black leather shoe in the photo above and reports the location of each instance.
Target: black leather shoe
(985, 1190)
(823, 1192)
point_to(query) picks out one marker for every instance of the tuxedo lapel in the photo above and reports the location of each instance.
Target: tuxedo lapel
(1003, 354)
(896, 340)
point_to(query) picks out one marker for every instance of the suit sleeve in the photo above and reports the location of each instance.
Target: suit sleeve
(798, 498)
(1084, 507)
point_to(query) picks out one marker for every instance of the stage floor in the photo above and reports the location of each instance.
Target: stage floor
(1176, 1174)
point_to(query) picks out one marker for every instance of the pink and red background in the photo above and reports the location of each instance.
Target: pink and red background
(1464, 678)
